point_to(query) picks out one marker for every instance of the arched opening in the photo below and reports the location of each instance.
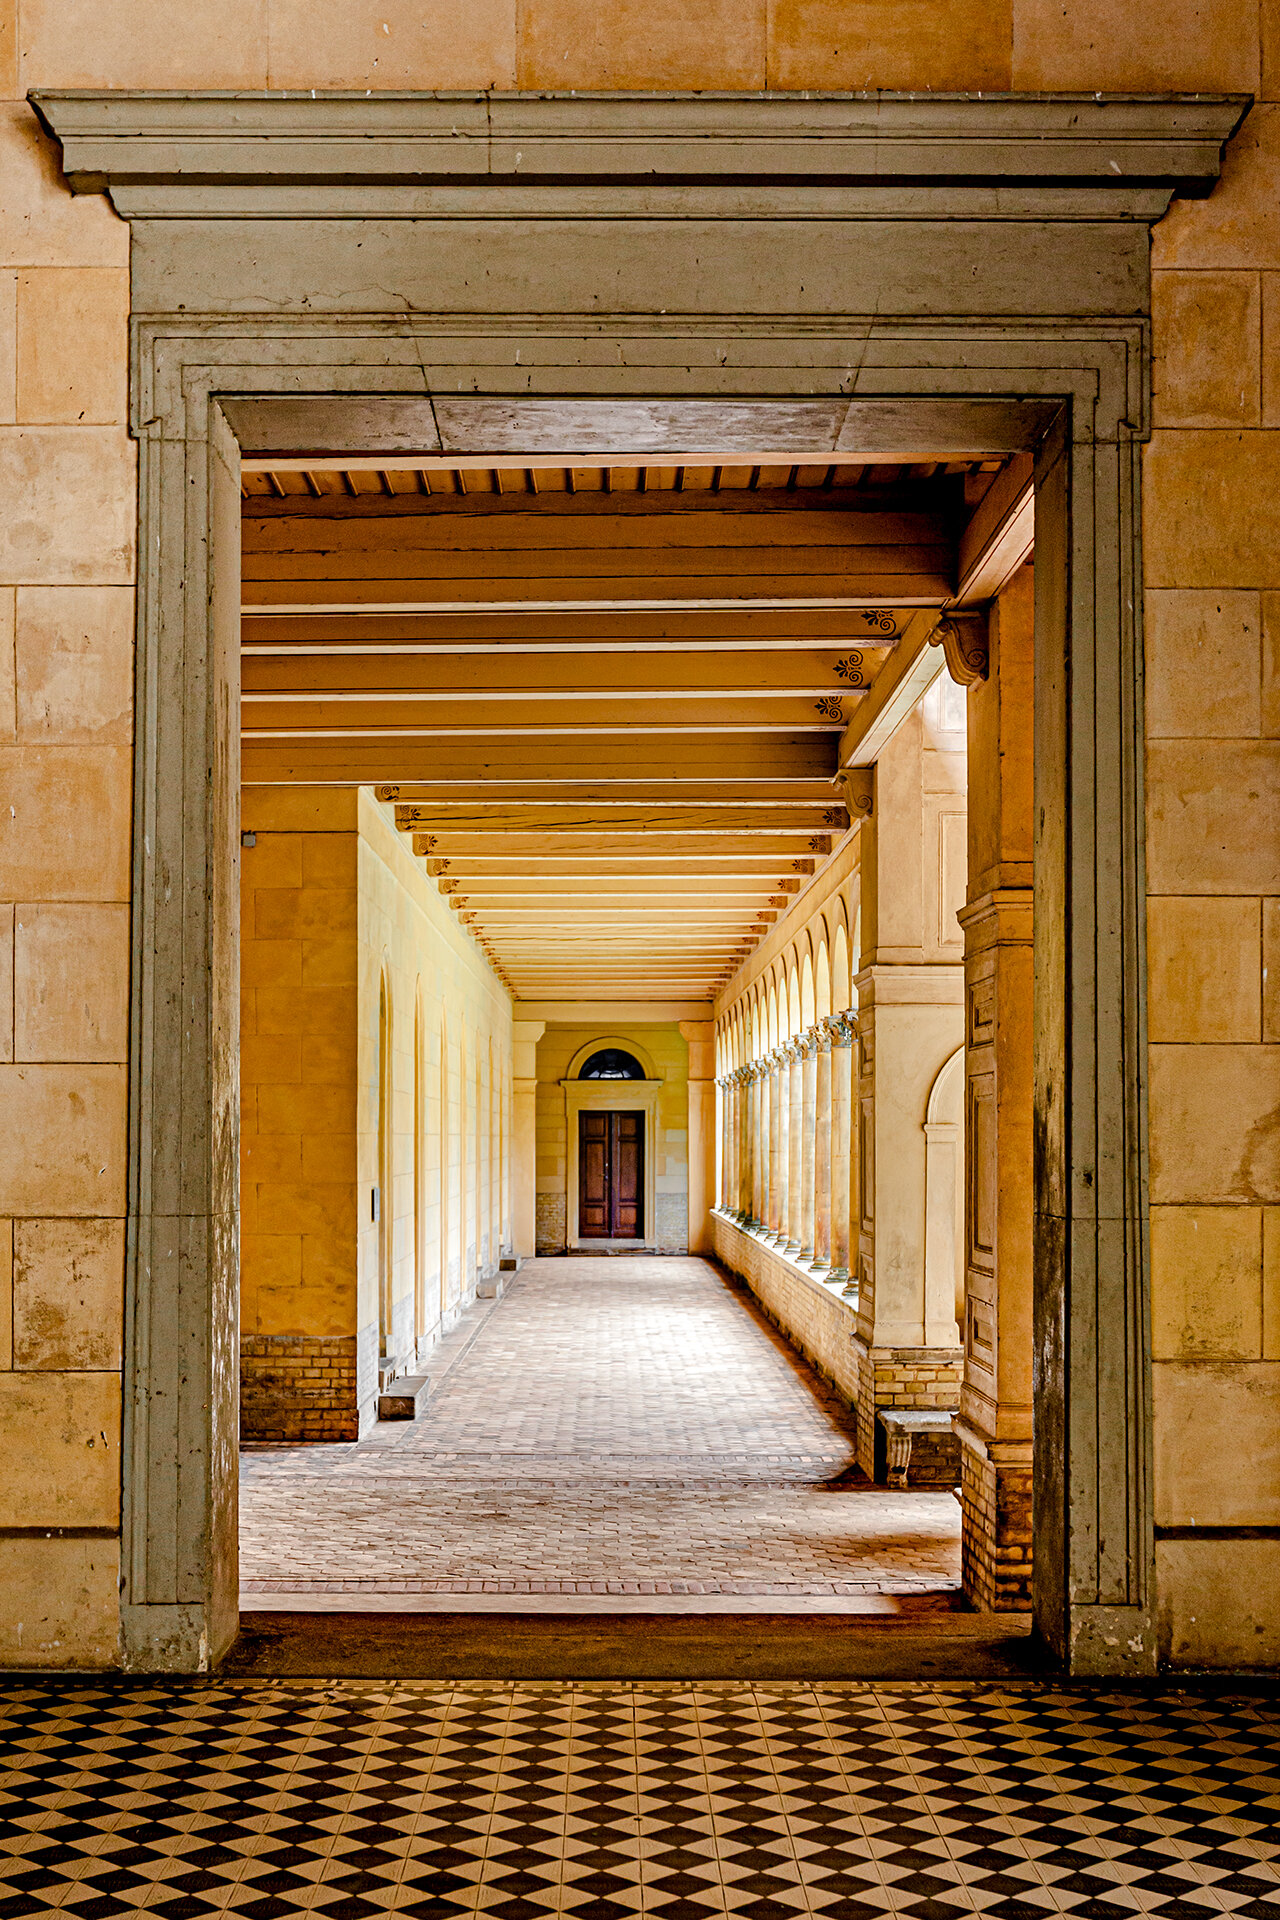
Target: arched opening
(944, 1196)
(382, 1201)
(419, 1172)
(840, 970)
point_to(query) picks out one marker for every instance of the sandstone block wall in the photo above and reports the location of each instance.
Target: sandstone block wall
(67, 477)
(1212, 552)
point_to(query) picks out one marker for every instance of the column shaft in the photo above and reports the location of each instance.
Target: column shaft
(795, 1153)
(822, 1151)
(808, 1129)
(842, 1032)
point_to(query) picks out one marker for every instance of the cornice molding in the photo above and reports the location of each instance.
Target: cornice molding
(160, 154)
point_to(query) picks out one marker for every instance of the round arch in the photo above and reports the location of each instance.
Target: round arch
(604, 1041)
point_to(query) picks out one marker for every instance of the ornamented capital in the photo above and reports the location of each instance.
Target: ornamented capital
(844, 1029)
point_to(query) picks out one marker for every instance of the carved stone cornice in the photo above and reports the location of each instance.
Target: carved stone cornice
(963, 639)
(841, 155)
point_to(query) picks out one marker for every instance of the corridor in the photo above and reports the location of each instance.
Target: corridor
(616, 1434)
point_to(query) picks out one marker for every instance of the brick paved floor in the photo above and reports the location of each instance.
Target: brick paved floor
(617, 1428)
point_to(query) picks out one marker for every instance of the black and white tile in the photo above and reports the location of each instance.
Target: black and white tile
(601, 1800)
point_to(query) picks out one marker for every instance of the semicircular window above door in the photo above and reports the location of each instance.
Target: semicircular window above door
(612, 1063)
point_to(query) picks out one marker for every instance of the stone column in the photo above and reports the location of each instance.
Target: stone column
(995, 1421)
(744, 1145)
(525, 1035)
(822, 1150)
(776, 1129)
(782, 1231)
(843, 1029)
(808, 1128)
(762, 1145)
(795, 1144)
(722, 1184)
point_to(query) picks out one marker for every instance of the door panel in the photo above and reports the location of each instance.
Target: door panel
(610, 1176)
(593, 1176)
(628, 1175)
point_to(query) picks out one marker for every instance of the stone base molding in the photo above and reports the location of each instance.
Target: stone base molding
(296, 1387)
(818, 1320)
(995, 1537)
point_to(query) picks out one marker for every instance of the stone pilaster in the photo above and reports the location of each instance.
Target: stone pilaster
(995, 1420)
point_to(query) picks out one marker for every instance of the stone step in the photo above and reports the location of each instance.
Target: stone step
(491, 1287)
(405, 1398)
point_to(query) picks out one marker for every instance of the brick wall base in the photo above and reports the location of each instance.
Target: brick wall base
(995, 1534)
(817, 1320)
(913, 1378)
(296, 1387)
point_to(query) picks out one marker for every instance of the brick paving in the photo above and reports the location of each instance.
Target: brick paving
(613, 1428)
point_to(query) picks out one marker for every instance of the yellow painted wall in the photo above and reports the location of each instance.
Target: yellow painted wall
(1212, 557)
(661, 1046)
(298, 978)
(442, 989)
(338, 920)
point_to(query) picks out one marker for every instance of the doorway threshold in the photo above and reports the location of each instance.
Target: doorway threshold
(642, 1646)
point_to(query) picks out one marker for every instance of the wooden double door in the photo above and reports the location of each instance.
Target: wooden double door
(610, 1176)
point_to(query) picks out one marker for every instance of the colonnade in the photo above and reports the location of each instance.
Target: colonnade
(788, 1161)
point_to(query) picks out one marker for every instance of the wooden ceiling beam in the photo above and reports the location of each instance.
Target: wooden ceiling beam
(636, 863)
(448, 678)
(740, 762)
(401, 716)
(738, 626)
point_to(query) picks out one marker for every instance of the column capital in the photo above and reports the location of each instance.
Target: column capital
(843, 1028)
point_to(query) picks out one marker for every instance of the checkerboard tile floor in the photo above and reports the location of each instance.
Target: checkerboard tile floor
(617, 1427)
(608, 1799)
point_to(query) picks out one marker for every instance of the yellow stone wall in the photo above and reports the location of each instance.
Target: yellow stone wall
(659, 1045)
(1213, 572)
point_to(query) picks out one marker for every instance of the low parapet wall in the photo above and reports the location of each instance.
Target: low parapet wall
(819, 1320)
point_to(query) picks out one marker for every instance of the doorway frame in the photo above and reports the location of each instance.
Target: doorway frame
(610, 1096)
(355, 248)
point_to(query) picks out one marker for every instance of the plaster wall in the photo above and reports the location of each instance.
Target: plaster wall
(661, 1046)
(1212, 558)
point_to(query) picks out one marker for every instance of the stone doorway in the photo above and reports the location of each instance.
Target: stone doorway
(855, 252)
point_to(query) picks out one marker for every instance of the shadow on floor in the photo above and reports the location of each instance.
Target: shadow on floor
(513, 1646)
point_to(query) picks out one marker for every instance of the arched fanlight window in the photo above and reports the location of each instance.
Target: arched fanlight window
(612, 1063)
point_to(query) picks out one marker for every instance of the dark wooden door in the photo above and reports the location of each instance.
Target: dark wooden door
(610, 1176)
